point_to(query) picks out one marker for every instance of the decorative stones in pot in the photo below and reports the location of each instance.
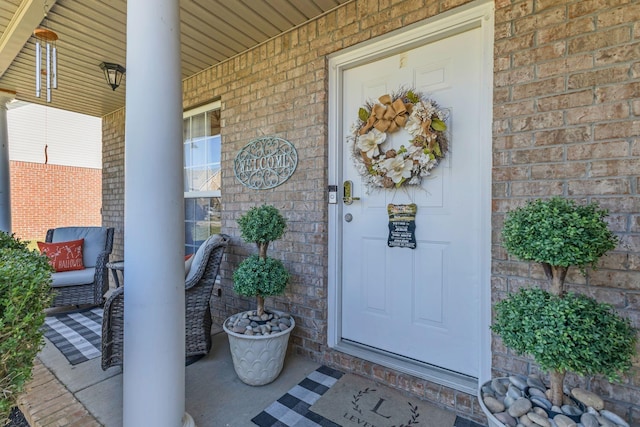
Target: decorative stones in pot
(523, 401)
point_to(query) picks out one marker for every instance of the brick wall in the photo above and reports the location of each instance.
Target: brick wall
(565, 101)
(45, 196)
(566, 111)
(113, 179)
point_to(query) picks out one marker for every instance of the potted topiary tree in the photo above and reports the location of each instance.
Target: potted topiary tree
(258, 338)
(24, 294)
(561, 331)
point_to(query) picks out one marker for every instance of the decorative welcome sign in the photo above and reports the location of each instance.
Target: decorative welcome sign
(265, 162)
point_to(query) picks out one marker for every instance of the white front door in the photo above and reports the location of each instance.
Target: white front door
(423, 304)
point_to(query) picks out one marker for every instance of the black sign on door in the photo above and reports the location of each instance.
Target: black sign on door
(402, 226)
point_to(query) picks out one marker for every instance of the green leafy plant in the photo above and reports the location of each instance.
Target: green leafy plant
(571, 333)
(260, 275)
(562, 332)
(558, 233)
(24, 294)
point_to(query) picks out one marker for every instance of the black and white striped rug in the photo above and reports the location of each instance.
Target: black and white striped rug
(292, 409)
(76, 334)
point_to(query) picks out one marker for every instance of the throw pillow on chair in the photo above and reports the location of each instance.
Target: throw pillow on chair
(64, 256)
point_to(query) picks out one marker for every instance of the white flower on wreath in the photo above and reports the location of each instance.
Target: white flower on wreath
(414, 152)
(414, 126)
(398, 168)
(368, 143)
(415, 180)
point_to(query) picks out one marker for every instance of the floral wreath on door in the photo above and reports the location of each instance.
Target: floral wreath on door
(388, 167)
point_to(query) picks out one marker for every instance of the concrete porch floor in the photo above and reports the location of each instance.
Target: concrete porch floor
(84, 395)
(62, 395)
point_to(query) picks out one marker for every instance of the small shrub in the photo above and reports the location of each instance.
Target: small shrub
(571, 333)
(260, 277)
(24, 294)
(558, 232)
(562, 332)
(262, 224)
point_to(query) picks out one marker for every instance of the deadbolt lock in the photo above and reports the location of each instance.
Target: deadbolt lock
(348, 193)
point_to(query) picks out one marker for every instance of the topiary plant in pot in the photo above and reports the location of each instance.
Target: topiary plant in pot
(24, 294)
(562, 331)
(259, 338)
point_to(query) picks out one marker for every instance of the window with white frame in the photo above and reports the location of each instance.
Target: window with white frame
(202, 174)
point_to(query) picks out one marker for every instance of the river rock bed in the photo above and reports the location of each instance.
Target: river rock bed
(518, 401)
(249, 323)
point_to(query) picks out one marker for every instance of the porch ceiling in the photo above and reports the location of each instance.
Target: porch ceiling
(92, 31)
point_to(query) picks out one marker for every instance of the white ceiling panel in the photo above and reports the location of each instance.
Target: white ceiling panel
(94, 31)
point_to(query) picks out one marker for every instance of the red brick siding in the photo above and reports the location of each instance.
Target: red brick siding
(48, 196)
(565, 89)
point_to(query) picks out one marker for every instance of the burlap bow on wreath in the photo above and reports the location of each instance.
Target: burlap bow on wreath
(387, 116)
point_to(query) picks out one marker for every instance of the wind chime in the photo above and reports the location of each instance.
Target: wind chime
(46, 44)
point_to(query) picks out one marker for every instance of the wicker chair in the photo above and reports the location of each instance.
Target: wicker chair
(86, 286)
(198, 288)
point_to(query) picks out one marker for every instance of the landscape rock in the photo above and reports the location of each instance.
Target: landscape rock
(539, 419)
(538, 410)
(604, 422)
(535, 381)
(498, 387)
(514, 392)
(518, 381)
(493, 404)
(571, 410)
(486, 389)
(506, 419)
(519, 407)
(508, 401)
(614, 418)
(564, 421)
(526, 421)
(543, 403)
(588, 398)
(536, 392)
(589, 420)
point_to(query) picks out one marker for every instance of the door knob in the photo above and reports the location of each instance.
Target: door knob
(348, 193)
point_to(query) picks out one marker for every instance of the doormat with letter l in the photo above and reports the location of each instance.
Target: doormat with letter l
(76, 334)
(330, 398)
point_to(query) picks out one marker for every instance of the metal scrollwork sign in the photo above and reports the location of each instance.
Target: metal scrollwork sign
(265, 162)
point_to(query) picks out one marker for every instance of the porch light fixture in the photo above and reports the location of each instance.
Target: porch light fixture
(113, 73)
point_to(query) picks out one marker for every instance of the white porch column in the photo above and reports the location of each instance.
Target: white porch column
(154, 356)
(6, 96)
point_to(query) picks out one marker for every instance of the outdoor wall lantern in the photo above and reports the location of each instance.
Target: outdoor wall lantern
(113, 73)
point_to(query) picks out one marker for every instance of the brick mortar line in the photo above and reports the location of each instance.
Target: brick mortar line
(46, 402)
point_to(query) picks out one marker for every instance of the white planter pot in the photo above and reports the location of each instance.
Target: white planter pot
(258, 359)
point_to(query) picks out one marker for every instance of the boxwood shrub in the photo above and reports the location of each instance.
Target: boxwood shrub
(25, 276)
